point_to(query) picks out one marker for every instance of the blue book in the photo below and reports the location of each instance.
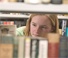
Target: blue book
(66, 29)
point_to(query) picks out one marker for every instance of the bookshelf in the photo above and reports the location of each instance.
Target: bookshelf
(13, 16)
(21, 7)
(34, 8)
(63, 17)
(24, 16)
(31, 8)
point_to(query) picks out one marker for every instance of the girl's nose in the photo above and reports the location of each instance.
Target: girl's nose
(37, 30)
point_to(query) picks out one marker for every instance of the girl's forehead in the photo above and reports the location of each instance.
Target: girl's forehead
(41, 19)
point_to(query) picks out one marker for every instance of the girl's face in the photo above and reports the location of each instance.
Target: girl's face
(40, 26)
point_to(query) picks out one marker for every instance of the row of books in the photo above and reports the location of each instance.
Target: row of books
(18, 23)
(12, 46)
(11, 0)
(64, 28)
(54, 46)
(21, 22)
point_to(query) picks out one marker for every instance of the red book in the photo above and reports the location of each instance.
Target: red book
(5, 22)
(53, 45)
(53, 51)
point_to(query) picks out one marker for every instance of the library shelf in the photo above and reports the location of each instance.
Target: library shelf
(24, 16)
(13, 16)
(33, 8)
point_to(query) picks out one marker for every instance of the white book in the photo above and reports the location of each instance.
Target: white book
(32, 1)
(64, 22)
(21, 47)
(27, 47)
(43, 49)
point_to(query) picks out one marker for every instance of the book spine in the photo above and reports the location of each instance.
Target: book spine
(27, 47)
(43, 49)
(65, 1)
(15, 50)
(6, 47)
(66, 29)
(53, 51)
(46, 1)
(21, 47)
(64, 22)
(8, 29)
(34, 48)
(53, 45)
(20, 0)
(32, 1)
(56, 1)
(63, 47)
(12, 0)
(67, 47)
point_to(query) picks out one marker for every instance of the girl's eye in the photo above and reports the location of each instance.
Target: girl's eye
(34, 24)
(43, 27)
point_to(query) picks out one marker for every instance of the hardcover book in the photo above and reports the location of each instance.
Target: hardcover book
(53, 45)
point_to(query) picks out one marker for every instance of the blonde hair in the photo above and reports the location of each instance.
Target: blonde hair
(52, 17)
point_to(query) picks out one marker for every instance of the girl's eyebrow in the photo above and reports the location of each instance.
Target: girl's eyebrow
(35, 23)
(43, 25)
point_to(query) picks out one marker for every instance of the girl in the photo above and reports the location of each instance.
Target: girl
(39, 25)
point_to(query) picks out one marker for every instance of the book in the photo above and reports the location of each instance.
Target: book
(67, 47)
(46, 1)
(43, 48)
(39, 47)
(32, 1)
(66, 33)
(34, 48)
(65, 1)
(8, 30)
(21, 44)
(64, 22)
(27, 47)
(53, 45)
(56, 1)
(63, 47)
(6, 46)
(20, 0)
(15, 50)
(12, 0)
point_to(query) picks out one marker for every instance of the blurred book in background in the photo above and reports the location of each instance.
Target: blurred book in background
(8, 30)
